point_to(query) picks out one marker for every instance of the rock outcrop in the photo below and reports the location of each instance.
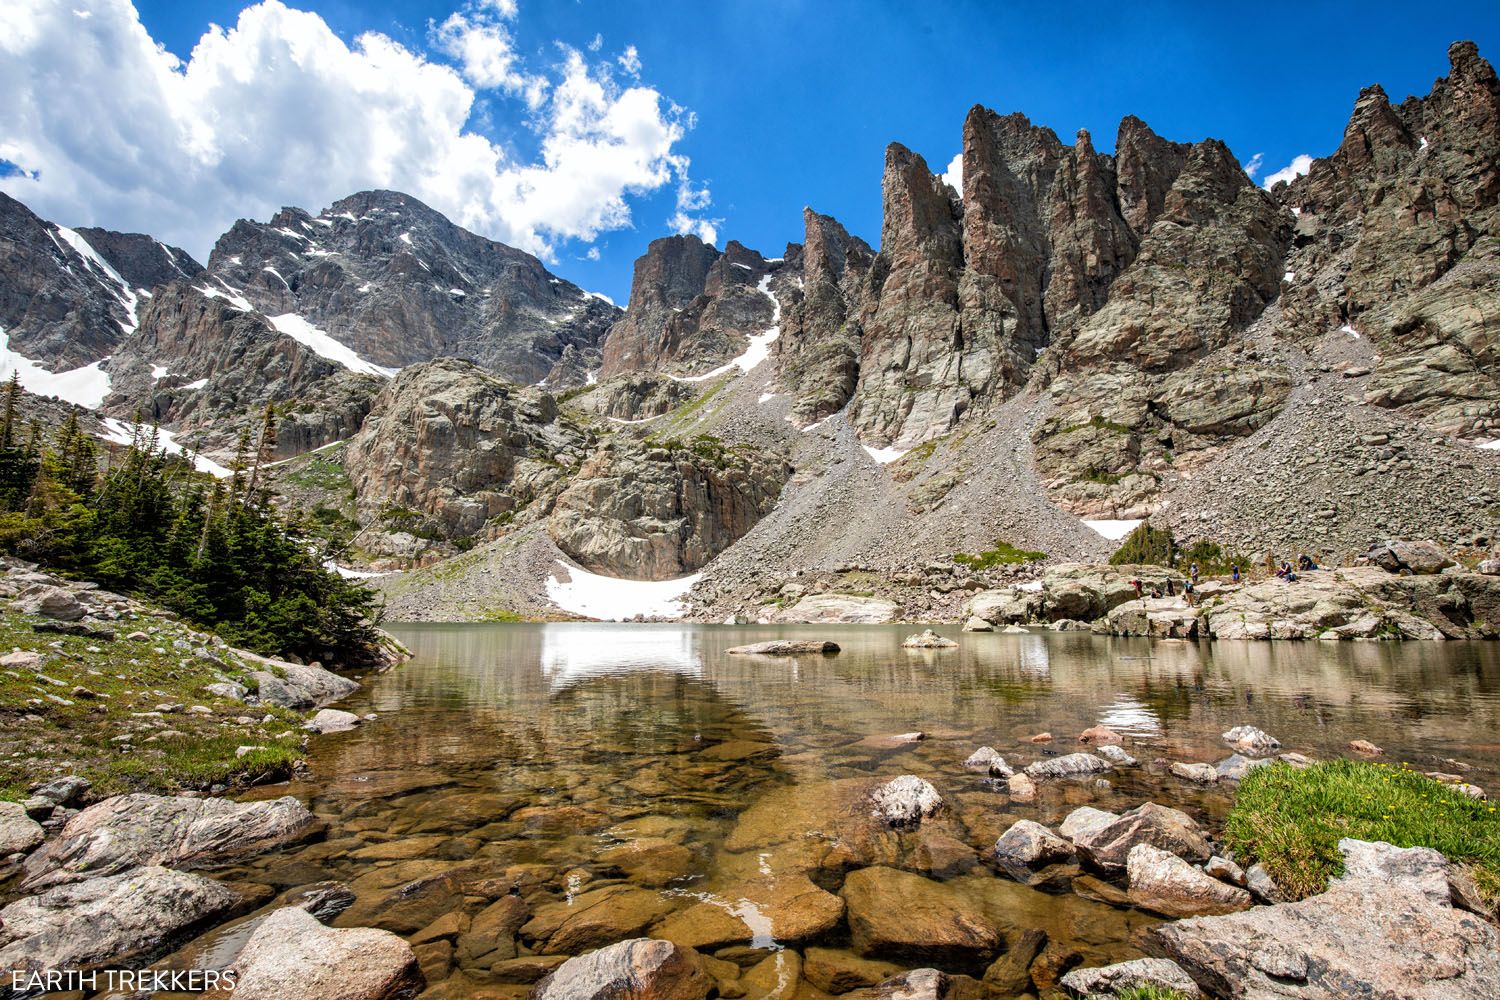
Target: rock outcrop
(1397, 234)
(447, 447)
(691, 307)
(656, 512)
(117, 920)
(1329, 946)
(136, 830)
(398, 284)
(819, 349)
(202, 363)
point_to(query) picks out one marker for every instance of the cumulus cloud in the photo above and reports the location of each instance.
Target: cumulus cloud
(1253, 167)
(630, 60)
(105, 127)
(954, 175)
(1300, 165)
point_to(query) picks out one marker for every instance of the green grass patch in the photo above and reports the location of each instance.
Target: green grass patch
(62, 716)
(1291, 821)
(1150, 992)
(322, 472)
(1002, 554)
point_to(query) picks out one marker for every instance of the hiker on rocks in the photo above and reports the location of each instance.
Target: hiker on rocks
(1137, 585)
(1305, 563)
(1234, 573)
(1193, 572)
(1187, 592)
(1170, 591)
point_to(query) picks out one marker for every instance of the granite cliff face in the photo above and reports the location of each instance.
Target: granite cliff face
(397, 283)
(1396, 240)
(818, 351)
(655, 511)
(447, 448)
(691, 308)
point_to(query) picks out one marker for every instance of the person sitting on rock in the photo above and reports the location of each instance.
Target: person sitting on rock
(1156, 591)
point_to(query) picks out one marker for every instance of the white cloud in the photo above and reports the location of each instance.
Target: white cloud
(954, 175)
(1300, 165)
(1253, 167)
(484, 52)
(630, 60)
(596, 43)
(279, 110)
(593, 254)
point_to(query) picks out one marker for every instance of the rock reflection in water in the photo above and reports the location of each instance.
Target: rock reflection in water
(531, 792)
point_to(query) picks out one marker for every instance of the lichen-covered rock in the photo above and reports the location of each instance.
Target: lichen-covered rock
(1067, 766)
(118, 920)
(1029, 846)
(906, 800)
(1327, 947)
(135, 830)
(1107, 981)
(18, 831)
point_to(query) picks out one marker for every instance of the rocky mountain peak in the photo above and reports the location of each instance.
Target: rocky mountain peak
(396, 283)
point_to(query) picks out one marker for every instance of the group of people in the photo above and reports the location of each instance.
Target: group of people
(1189, 586)
(1284, 571)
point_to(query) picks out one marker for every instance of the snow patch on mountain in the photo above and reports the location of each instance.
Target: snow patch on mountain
(325, 346)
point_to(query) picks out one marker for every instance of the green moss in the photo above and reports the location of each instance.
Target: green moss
(1291, 821)
(1002, 554)
(1150, 992)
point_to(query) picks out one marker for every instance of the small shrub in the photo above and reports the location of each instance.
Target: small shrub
(1145, 546)
(1002, 554)
(1291, 821)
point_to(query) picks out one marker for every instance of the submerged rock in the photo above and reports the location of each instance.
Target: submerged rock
(786, 647)
(642, 968)
(290, 954)
(133, 830)
(785, 909)
(113, 920)
(899, 915)
(1164, 883)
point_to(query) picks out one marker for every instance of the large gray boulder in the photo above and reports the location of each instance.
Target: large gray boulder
(128, 831)
(786, 647)
(640, 968)
(295, 685)
(113, 920)
(290, 955)
(906, 800)
(18, 832)
(1107, 845)
(1163, 883)
(1366, 938)
(49, 602)
(1071, 765)
(1417, 558)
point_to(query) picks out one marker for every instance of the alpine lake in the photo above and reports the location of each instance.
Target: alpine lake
(531, 792)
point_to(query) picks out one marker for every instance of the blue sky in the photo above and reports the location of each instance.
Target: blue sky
(793, 103)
